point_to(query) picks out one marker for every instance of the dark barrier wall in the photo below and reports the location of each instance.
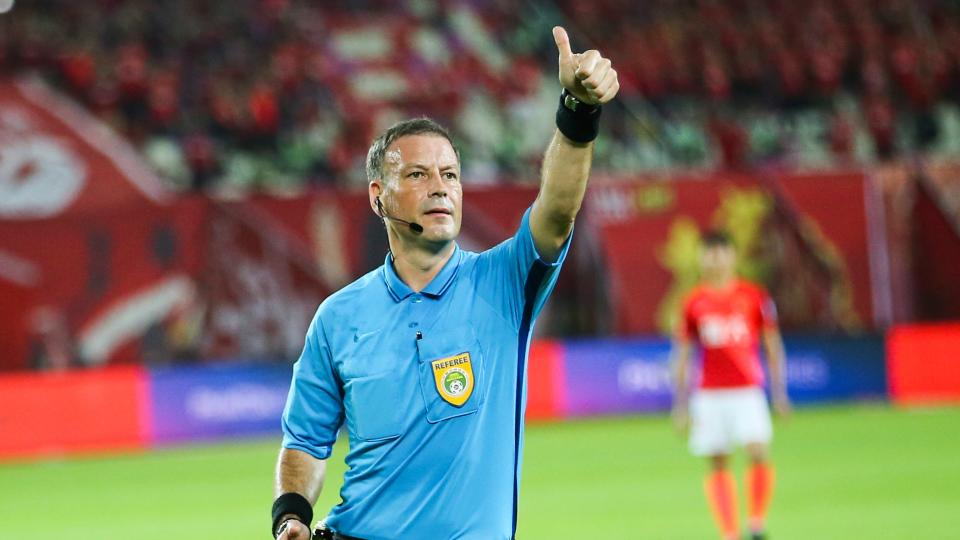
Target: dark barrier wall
(829, 368)
(214, 401)
(616, 376)
(124, 407)
(633, 375)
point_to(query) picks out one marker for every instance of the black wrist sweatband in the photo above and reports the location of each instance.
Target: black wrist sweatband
(577, 120)
(293, 504)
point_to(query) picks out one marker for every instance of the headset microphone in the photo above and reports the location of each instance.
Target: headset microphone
(415, 227)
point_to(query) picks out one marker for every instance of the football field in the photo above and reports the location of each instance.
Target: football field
(862, 472)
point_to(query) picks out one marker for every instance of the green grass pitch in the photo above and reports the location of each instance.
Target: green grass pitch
(865, 472)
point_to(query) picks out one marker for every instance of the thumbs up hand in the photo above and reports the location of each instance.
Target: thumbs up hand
(588, 76)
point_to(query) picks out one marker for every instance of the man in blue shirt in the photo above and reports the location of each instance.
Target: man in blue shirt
(424, 359)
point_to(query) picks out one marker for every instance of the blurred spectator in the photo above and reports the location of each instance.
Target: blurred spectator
(841, 138)
(731, 140)
(269, 94)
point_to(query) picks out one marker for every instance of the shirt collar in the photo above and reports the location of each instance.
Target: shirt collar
(437, 286)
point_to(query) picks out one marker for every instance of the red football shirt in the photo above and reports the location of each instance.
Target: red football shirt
(727, 323)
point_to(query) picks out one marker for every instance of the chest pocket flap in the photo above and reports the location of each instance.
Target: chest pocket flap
(451, 372)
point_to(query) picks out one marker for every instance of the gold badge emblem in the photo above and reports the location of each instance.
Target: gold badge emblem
(454, 378)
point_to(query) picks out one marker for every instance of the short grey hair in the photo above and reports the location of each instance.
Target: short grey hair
(413, 126)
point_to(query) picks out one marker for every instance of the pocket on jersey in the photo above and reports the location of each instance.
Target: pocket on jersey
(451, 373)
(374, 401)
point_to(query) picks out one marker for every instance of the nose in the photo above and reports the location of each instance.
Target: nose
(437, 187)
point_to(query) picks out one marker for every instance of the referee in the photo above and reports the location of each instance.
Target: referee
(424, 359)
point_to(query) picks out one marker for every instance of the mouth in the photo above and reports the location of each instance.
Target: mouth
(439, 212)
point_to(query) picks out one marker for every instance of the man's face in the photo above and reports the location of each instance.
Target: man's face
(421, 184)
(718, 261)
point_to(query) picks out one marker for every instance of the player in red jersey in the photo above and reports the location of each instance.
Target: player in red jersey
(728, 318)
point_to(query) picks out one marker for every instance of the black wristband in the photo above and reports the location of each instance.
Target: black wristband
(293, 504)
(577, 121)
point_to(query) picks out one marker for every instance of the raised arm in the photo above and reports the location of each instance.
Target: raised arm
(588, 81)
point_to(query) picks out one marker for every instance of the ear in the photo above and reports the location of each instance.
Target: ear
(374, 190)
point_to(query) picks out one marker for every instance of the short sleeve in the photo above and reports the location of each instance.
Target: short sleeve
(687, 324)
(767, 310)
(514, 276)
(314, 410)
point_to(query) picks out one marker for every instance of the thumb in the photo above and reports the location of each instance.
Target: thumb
(563, 42)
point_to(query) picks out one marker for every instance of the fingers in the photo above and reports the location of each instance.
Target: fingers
(608, 88)
(563, 42)
(589, 62)
(298, 534)
(600, 70)
(784, 410)
(295, 531)
(603, 84)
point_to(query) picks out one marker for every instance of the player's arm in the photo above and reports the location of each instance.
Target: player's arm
(311, 419)
(776, 361)
(302, 474)
(590, 78)
(680, 363)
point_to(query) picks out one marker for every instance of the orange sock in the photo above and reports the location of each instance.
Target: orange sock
(721, 490)
(759, 489)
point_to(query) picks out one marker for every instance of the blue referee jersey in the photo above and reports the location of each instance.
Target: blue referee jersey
(432, 387)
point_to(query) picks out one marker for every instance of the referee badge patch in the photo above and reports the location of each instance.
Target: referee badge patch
(453, 376)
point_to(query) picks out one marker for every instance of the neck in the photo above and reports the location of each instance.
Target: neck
(418, 265)
(720, 281)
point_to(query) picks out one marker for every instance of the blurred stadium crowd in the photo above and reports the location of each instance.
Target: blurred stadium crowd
(278, 95)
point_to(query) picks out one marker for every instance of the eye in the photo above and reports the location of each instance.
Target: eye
(416, 175)
(452, 176)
